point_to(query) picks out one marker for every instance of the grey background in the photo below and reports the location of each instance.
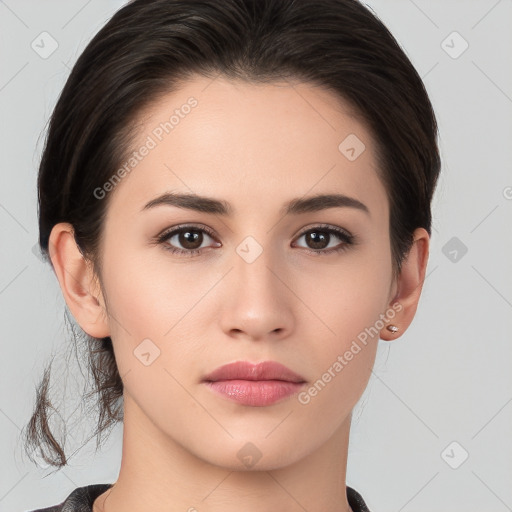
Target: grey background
(447, 379)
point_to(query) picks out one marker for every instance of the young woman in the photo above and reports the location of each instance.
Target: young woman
(235, 198)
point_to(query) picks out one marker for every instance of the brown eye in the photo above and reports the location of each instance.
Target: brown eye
(190, 239)
(320, 239)
(317, 239)
(186, 240)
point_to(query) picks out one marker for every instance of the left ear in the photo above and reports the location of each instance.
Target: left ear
(409, 284)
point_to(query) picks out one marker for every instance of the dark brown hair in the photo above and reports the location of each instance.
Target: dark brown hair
(149, 47)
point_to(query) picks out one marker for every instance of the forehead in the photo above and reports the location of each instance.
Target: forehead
(249, 144)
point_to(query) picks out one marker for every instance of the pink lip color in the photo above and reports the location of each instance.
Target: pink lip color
(255, 392)
(256, 385)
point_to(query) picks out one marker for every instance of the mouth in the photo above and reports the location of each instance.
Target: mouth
(254, 384)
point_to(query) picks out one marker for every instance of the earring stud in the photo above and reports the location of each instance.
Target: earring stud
(392, 328)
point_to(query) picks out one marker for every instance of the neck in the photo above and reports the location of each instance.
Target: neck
(159, 474)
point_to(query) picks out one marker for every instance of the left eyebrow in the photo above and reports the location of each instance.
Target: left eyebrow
(219, 207)
(322, 202)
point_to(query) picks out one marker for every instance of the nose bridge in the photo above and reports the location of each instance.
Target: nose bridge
(256, 264)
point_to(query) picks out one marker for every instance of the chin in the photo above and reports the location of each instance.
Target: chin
(258, 454)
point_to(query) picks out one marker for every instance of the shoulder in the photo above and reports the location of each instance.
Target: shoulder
(80, 500)
(355, 500)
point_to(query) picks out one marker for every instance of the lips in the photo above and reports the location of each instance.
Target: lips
(255, 385)
(244, 370)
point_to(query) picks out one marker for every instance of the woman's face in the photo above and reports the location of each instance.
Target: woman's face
(265, 280)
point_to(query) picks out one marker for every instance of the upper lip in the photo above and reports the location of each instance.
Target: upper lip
(245, 370)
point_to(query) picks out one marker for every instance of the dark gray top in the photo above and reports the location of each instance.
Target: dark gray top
(82, 499)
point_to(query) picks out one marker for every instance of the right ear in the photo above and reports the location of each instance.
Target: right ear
(78, 282)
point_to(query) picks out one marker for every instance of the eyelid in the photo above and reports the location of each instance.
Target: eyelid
(210, 232)
(327, 227)
(179, 227)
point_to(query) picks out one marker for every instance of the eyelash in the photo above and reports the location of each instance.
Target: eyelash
(343, 235)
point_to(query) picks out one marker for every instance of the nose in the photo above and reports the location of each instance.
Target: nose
(257, 297)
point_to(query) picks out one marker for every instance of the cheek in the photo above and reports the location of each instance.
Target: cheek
(347, 297)
(147, 298)
(148, 317)
(348, 302)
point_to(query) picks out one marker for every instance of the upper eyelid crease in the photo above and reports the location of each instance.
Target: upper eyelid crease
(183, 227)
(219, 207)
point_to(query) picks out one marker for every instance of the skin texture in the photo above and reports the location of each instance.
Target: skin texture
(256, 147)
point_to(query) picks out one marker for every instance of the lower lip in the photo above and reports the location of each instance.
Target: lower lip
(256, 393)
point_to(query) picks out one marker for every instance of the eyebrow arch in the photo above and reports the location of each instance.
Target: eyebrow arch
(219, 207)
